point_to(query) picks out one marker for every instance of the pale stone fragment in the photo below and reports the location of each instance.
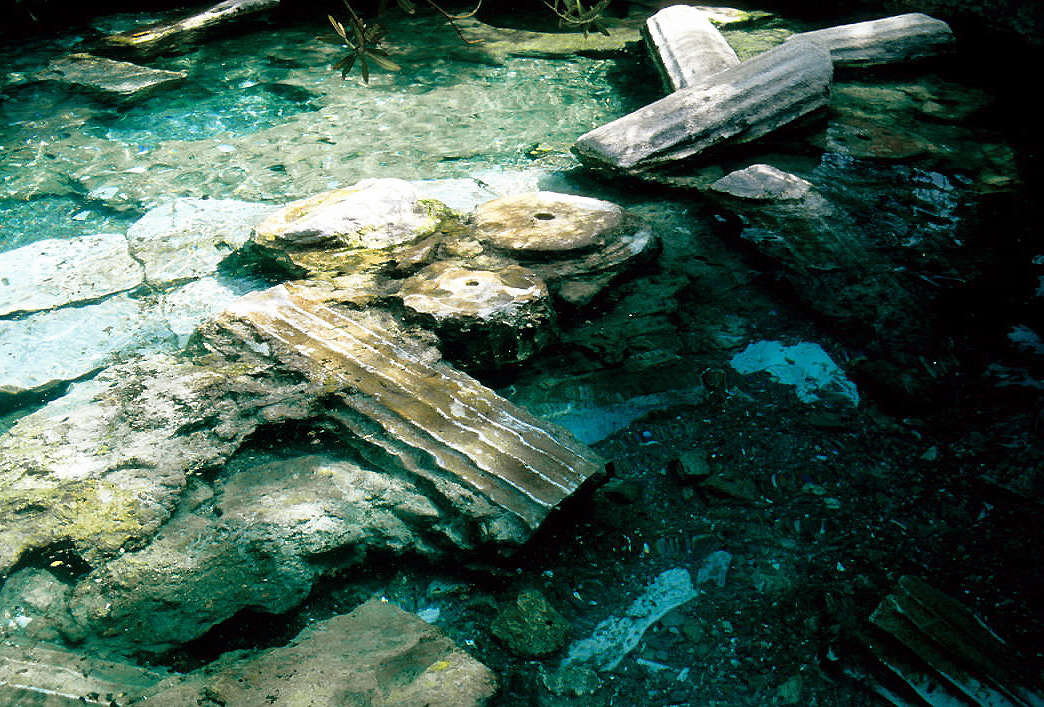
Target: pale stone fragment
(686, 47)
(762, 182)
(375, 213)
(888, 40)
(118, 80)
(56, 272)
(737, 105)
(187, 238)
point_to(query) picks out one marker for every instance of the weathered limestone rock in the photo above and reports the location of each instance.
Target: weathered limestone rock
(737, 105)
(162, 37)
(33, 606)
(888, 40)
(377, 655)
(104, 466)
(686, 47)
(511, 307)
(338, 230)
(117, 80)
(187, 238)
(578, 245)
(762, 182)
(255, 539)
(56, 272)
(40, 675)
(105, 475)
(48, 348)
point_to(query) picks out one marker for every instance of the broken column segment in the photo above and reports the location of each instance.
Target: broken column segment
(510, 306)
(686, 47)
(888, 40)
(500, 467)
(737, 105)
(925, 645)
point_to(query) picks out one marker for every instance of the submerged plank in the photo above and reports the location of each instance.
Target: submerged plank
(166, 35)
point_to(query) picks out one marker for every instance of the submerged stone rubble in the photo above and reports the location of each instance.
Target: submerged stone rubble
(195, 448)
(124, 472)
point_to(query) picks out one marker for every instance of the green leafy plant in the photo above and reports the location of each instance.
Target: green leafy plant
(364, 45)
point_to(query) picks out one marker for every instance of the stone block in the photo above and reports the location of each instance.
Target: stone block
(686, 47)
(737, 105)
(885, 41)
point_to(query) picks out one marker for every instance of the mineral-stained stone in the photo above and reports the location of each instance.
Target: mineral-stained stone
(108, 475)
(377, 655)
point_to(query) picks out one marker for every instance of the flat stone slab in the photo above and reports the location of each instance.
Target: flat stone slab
(448, 291)
(497, 44)
(187, 238)
(546, 221)
(377, 655)
(49, 348)
(156, 38)
(885, 41)
(686, 47)
(41, 675)
(762, 182)
(56, 272)
(737, 105)
(52, 347)
(117, 80)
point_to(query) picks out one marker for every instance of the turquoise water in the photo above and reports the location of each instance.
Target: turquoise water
(804, 495)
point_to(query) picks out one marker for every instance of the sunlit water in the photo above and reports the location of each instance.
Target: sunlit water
(262, 118)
